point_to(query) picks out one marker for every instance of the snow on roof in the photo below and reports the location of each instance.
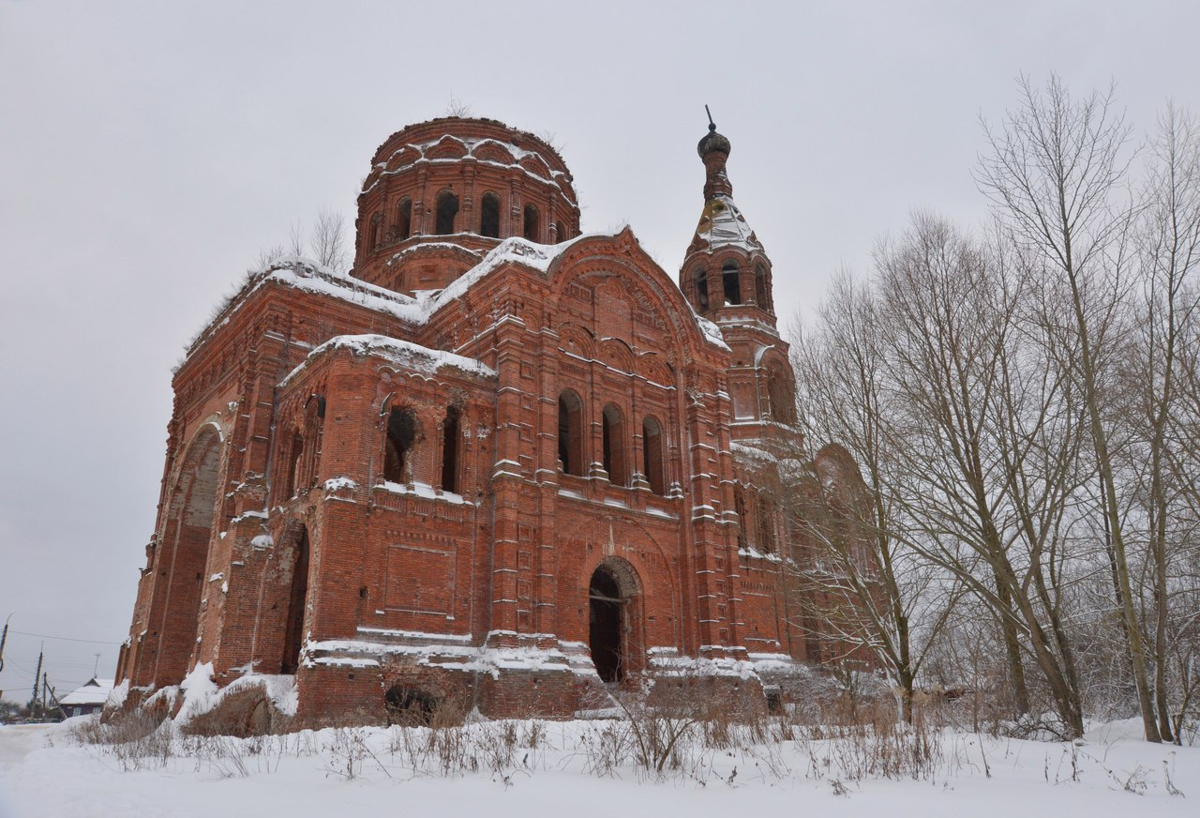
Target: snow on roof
(310, 276)
(403, 353)
(471, 146)
(723, 225)
(94, 692)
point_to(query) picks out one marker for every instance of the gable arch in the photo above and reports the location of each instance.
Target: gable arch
(594, 259)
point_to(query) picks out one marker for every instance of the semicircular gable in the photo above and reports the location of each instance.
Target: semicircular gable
(577, 340)
(654, 368)
(616, 353)
(593, 260)
(492, 151)
(402, 158)
(448, 147)
(536, 165)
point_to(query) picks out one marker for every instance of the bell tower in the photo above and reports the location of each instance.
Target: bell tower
(727, 278)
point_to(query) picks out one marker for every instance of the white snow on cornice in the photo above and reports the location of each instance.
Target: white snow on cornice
(413, 357)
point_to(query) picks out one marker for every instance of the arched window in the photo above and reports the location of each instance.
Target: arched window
(739, 507)
(561, 232)
(450, 438)
(702, 288)
(291, 477)
(532, 228)
(314, 418)
(730, 278)
(447, 209)
(373, 233)
(404, 219)
(293, 637)
(489, 216)
(780, 396)
(570, 432)
(652, 454)
(761, 290)
(614, 447)
(401, 435)
(766, 527)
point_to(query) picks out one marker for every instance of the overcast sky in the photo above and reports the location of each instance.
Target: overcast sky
(149, 151)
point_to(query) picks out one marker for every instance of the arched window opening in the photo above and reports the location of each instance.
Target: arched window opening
(401, 435)
(731, 279)
(293, 637)
(652, 455)
(739, 506)
(450, 437)
(314, 421)
(532, 228)
(561, 232)
(606, 625)
(489, 216)
(702, 288)
(291, 477)
(781, 396)
(614, 447)
(761, 290)
(373, 233)
(766, 527)
(447, 210)
(570, 433)
(404, 219)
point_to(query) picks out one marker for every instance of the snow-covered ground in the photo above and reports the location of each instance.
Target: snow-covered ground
(541, 769)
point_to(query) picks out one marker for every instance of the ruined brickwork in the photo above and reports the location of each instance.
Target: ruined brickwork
(499, 461)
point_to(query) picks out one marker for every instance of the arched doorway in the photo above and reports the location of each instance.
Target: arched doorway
(610, 595)
(293, 635)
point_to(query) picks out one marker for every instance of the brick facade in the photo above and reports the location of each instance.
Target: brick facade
(499, 461)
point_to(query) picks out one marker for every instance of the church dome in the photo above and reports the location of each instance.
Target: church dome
(454, 188)
(713, 142)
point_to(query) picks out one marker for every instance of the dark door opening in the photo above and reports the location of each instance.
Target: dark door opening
(606, 625)
(293, 637)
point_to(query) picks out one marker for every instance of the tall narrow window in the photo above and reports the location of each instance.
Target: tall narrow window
(739, 507)
(293, 637)
(373, 233)
(766, 527)
(570, 432)
(532, 228)
(614, 447)
(652, 455)
(730, 278)
(450, 450)
(447, 209)
(489, 216)
(781, 396)
(401, 434)
(561, 232)
(760, 288)
(702, 288)
(404, 219)
(291, 476)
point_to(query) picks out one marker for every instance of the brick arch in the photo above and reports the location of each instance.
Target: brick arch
(616, 627)
(620, 256)
(186, 537)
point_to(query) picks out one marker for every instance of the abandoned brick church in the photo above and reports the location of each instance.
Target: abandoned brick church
(499, 460)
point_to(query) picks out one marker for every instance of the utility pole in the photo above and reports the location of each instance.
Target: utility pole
(37, 677)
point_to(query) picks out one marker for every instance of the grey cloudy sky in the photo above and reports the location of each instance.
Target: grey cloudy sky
(148, 151)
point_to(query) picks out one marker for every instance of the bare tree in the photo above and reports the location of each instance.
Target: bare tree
(1054, 174)
(883, 596)
(327, 240)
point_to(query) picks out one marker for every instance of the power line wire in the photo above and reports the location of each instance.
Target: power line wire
(64, 638)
